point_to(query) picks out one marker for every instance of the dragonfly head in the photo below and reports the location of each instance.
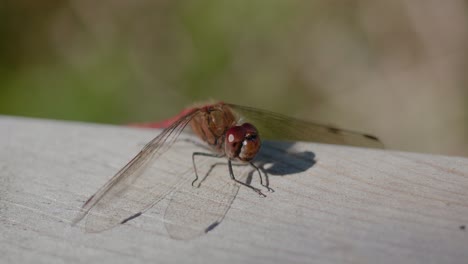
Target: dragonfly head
(242, 142)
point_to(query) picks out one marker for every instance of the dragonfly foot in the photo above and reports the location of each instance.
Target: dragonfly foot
(258, 191)
(261, 194)
(193, 184)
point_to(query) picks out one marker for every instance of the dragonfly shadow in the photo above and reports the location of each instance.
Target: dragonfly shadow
(282, 159)
(275, 158)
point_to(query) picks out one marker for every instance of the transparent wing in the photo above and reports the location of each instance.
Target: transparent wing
(279, 127)
(195, 211)
(144, 181)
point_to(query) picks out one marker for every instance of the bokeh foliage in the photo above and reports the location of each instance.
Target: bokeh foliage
(392, 68)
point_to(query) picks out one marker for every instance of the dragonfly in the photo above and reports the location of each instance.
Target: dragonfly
(227, 131)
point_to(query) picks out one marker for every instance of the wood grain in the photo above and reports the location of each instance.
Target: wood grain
(331, 204)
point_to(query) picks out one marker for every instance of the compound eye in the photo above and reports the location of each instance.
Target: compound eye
(233, 141)
(251, 144)
(251, 132)
(249, 128)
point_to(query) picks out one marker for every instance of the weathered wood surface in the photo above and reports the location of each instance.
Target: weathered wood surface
(331, 204)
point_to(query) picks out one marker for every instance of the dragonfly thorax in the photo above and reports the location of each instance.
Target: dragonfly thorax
(211, 123)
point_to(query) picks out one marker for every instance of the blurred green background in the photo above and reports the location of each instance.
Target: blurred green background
(393, 68)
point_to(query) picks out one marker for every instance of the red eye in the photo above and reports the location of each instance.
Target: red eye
(251, 143)
(249, 128)
(233, 141)
(242, 142)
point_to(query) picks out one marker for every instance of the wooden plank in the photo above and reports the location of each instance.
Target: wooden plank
(331, 204)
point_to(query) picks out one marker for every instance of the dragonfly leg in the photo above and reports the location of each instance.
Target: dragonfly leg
(267, 182)
(243, 183)
(195, 166)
